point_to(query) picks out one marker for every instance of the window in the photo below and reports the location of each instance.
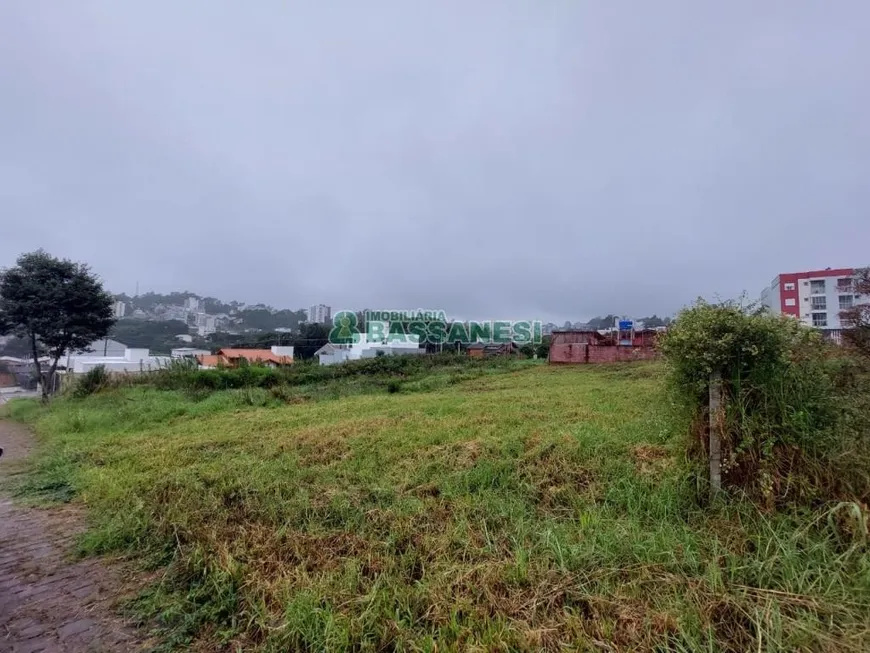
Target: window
(820, 304)
(788, 286)
(790, 301)
(817, 287)
(846, 302)
(820, 319)
(844, 285)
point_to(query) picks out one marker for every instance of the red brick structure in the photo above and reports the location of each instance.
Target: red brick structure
(485, 350)
(582, 347)
(619, 353)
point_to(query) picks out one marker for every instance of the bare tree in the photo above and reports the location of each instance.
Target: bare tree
(857, 318)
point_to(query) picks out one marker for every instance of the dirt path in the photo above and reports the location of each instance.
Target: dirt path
(49, 602)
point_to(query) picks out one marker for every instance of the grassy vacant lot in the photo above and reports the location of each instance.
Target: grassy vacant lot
(533, 508)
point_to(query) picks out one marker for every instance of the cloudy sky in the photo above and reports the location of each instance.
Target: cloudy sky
(493, 158)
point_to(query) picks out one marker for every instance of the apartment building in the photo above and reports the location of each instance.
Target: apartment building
(815, 297)
(205, 324)
(320, 314)
(194, 305)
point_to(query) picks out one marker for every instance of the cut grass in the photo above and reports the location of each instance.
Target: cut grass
(539, 508)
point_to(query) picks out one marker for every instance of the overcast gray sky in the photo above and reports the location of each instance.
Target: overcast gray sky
(501, 158)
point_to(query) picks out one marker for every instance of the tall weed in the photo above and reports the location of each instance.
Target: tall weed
(789, 432)
(94, 380)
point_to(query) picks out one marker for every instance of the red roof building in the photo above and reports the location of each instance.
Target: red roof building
(230, 357)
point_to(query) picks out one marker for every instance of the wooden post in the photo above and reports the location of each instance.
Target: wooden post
(715, 436)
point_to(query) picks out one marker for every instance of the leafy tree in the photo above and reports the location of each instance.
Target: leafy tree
(214, 306)
(652, 322)
(17, 347)
(150, 300)
(55, 304)
(606, 322)
(543, 349)
(157, 335)
(219, 340)
(311, 338)
(265, 319)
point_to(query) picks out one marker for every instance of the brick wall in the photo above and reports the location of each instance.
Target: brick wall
(575, 337)
(568, 353)
(581, 353)
(620, 354)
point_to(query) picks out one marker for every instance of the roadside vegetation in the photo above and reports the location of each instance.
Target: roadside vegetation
(796, 419)
(307, 380)
(444, 504)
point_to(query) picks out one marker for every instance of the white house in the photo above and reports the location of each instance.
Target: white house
(330, 354)
(114, 357)
(105, 348)
(188, 352)
(361, 348)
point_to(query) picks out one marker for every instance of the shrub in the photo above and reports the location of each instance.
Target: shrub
(94, 380)
(185, 375)
(784, 432)
(394, 386)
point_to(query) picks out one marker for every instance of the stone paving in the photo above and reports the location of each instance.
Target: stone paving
(48, 601)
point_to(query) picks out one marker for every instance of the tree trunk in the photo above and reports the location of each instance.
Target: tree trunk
(38, 366)
(51, 374)
(715, 435)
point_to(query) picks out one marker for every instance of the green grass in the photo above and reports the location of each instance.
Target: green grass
(524, 508)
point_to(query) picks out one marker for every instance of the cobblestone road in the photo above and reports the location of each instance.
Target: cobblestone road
(49, 602)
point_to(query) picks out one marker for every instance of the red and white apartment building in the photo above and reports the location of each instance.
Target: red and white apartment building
(815, 297)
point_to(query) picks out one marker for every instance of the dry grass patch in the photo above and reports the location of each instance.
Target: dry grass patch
(556, 474)
(651, 459)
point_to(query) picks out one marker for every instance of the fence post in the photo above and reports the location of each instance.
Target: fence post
(715, 435)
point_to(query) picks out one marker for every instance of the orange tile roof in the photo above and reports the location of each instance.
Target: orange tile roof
(255, 356)
(209, 360)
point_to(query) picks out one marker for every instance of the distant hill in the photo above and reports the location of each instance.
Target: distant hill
(238, 317)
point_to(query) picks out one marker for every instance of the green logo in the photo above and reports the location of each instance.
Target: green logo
(345, 328)
(421, 327)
